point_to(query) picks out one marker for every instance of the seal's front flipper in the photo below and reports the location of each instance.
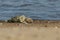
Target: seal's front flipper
(25, 22)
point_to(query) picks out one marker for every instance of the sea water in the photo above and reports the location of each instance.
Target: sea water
(35, 9)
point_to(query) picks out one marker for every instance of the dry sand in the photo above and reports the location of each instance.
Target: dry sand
(38, 30)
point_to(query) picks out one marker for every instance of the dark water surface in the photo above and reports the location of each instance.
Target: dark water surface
(36, 9)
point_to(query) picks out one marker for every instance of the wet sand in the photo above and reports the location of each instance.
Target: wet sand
(38, 30)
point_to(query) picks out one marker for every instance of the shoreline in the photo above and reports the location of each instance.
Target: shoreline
(36, 23)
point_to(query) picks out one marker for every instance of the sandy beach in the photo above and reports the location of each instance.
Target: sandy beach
(38, 30)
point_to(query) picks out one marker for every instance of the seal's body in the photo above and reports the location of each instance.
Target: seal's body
(14, 19)
(21, 19)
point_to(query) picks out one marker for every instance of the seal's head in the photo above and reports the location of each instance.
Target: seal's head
(29, 20)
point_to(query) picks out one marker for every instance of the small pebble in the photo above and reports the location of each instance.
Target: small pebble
(56, 27)
(1, 23)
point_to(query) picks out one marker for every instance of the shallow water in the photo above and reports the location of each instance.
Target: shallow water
(36, 9)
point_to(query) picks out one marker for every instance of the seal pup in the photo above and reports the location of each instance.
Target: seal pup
(21, 19)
